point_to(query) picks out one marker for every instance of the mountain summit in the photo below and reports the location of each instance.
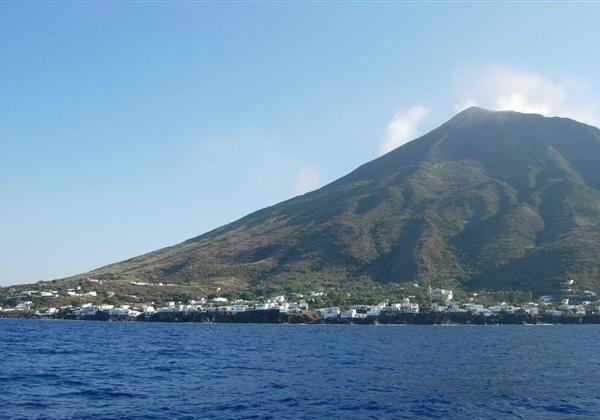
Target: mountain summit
(489, 200)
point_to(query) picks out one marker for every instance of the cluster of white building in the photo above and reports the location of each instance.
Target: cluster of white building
(78, 292)
(479, 309)
(39, 293)
(442, 301)
(215, 305)
(142, 283)
(531, 308)
(125, 311)
(406, 306)
(52, 294)
(364, 311)
(21, 306)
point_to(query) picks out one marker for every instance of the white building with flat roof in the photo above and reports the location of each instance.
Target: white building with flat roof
(330, 313)
(348, 314)
(440, 295)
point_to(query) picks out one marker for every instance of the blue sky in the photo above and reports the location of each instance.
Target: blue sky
(128, 127)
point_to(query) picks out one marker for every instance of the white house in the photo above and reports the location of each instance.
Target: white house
(24, 305)
(474, 307)
(348, 314)
(330, 313)
(406, 306)
(219, 299)
(440, 295)
(47, 312)
(299, 306)
(149, 310)
(564, 305)
(263, 306)
(170, 308)
(134, 313)
(531, 309)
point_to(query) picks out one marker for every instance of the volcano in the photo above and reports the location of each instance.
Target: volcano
(487, 201)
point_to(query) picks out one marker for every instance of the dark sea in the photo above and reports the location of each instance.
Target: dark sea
(110, 370)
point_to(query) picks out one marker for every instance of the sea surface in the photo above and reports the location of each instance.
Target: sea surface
(111, 370)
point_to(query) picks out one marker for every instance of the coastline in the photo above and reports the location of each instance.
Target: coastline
(306, 318)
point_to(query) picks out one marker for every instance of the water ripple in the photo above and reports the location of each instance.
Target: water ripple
(143, 371)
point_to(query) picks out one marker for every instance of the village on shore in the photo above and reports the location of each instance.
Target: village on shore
(440, 307)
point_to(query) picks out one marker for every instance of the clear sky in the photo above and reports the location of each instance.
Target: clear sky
(128, 127)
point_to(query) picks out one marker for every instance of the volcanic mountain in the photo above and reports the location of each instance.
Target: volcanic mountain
(487, 201)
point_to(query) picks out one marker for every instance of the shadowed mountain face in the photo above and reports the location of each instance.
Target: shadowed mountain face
(489, 200)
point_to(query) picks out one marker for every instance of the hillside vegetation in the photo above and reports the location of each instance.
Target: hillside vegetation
(487, 201)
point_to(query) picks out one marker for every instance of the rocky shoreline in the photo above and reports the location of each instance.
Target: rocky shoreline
(308, 317)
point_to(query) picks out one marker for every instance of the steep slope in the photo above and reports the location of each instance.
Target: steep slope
(489, 200)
